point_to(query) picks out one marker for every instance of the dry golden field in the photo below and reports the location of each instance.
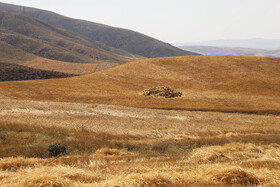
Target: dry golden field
(59, 66)
(70, 67)
(211, 83)
(140, 147)
(223, 131)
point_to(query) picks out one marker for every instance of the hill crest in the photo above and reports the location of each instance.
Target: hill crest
(220, 83)
(123, 39)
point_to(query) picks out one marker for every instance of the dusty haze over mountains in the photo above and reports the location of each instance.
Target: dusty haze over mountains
(250, 47)
(258, 43)
(175, 21)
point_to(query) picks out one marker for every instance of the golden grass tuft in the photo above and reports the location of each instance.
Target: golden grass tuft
(50, 175)
(110, 152)
(235, 176)
(233, 152)
(46, 181)
(13, 164)
(149, 179)
(82, 178)
(156, 181)
(204, 156)
(179, 137)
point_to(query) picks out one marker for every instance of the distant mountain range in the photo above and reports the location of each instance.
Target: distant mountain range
(232, 51)
(49, 41)
(44, 40)
(258, 43)
(108, 37)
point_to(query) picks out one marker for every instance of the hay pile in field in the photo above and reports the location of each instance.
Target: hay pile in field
(162, 92)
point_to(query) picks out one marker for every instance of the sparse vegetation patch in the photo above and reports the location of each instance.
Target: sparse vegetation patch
(57, 149)
(14, 72)
(162, 92)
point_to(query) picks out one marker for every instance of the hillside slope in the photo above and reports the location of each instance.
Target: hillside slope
(11, 54)
(12, 72)
(64, 67)
(123, 39)
(219, 83)
(41, 39)
(234, 51)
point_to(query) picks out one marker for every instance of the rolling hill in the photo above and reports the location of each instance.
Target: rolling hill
(218, 83)
(109, 37)
(64, 67)
(43, 40)
(233, 51)
(12, 72)
(11, 54)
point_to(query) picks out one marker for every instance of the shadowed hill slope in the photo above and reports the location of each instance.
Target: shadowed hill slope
(220, 83)
(11, 54)
(12, 72)
(123, 39)
(41, 39)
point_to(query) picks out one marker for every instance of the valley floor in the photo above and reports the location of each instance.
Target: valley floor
(125, 146)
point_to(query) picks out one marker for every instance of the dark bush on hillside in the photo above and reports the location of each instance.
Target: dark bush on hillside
(57, 149)
(14, 72)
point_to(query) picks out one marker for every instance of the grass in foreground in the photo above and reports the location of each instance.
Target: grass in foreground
(29, 141)
(232, 164)
(111, 160)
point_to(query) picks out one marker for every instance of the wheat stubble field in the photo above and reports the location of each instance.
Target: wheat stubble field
(223, 131)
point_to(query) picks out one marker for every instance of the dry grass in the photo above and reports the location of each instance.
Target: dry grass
(126, 146)
(108, 151)
(212, 83)
(59, 66)
(149, 123)
(236, 176)
(137, 170)
(181, 160)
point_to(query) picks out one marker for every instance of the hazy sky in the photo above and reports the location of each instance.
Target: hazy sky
(175, 21)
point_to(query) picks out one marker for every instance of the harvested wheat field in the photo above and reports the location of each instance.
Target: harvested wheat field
(176, 121)
(210, 83)
(232, 164)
